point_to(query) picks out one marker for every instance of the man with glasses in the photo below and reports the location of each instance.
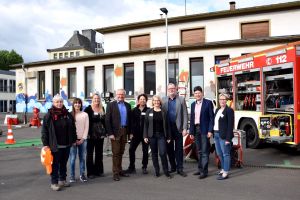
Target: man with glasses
(201, 128)
(175, 107)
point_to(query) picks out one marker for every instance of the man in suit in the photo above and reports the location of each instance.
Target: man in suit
(175, 107)
(201, 127)
(117, 122)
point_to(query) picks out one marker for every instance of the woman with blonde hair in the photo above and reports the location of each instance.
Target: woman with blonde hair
(223, 134)
(156, 133)
(96, 135)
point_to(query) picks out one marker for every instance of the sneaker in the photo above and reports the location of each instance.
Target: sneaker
(55, 187)
(72, 180)
(83, 178)
(63, 184)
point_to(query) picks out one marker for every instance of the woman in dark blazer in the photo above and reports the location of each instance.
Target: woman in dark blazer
(155, 131)
(223, 134)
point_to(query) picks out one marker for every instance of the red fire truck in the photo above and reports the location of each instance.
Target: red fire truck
(264, 90)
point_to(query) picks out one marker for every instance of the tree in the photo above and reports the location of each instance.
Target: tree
(9, 58)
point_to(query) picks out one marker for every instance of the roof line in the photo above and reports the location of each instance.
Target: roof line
(202, 16)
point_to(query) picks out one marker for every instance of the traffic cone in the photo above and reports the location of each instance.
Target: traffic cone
(10, 136)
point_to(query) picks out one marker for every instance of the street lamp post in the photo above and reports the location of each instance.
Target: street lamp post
(165, 11)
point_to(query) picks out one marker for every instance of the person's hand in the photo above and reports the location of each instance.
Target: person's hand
(209, 134)
(112, 137)
(130, 136)
(79, 142)
(184, 132)
(146, 140)
(168, 141)
(192, 136)
(227, 142)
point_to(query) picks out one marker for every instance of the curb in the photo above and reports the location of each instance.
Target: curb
(22, 143)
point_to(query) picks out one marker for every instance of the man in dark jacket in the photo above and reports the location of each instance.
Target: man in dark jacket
(118, 123)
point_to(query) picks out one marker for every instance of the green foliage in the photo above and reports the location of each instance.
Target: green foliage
(9, 58)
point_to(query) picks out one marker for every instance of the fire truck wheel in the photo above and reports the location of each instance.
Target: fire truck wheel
(252, 138)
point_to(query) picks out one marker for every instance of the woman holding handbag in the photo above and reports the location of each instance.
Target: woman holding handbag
(96, 137)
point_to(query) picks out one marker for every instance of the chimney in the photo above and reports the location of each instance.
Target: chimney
(90, 34)
(76, 32)
(232, 5)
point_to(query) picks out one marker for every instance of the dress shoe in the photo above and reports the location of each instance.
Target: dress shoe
(123, 174)
(196, 173)
(116, 177)
(91, 176)
(221, 177)
(157, 174)
(145, 171)
(182, 173)
(130, 171)
(172, 171)
(168, 175)
(202, 176)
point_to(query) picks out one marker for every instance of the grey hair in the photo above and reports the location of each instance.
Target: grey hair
(57, 97)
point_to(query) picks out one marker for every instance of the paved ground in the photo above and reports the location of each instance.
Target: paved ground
(23, 177)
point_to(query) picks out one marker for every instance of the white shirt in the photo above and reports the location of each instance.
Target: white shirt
(218, 115)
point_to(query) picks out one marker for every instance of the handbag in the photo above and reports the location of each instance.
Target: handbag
(99, 131)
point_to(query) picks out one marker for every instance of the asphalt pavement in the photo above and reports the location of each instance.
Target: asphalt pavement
(271, 173)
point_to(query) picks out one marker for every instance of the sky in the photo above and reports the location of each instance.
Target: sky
(30, 27)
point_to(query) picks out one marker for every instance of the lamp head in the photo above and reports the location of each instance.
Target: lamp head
(164, 10)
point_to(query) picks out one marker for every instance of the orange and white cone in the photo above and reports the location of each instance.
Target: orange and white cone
(10, 136)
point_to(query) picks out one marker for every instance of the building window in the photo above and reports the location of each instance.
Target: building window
(196, 73)
(12, 86)
(149, 78)
(220, 59)
(66, 54)
(3, 106)
(255, 30)
(89, 81)
(139, 42)
(12, 106)
(71, 54)
(77, 53)
(108, 78)
(173, 71)
(60, 55)
(1, 85)
(55, 82)
(41, 84)
(72, 83)
(55, 56)
(193, 36)
(129, 78)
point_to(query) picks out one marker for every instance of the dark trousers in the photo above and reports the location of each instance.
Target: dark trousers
(118, 148)
(203, 146)
(133, 146)
(177, 152)
(94, 166)
(158, 144)
(59, 165)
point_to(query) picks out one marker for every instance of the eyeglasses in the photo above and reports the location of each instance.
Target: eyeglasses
(222, 99)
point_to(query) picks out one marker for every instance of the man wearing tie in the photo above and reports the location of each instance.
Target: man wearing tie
(201, 127)
(117, 122)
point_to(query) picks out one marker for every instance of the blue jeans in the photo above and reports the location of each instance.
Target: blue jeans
(223, 151)
(158, 144)
(81, 154)
(59, 165)
(203, 146)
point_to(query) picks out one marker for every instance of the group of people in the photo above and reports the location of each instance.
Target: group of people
(161, 127)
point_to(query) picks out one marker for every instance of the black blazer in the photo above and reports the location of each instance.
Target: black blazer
(137, 122)
(148, 124)
(226, 123)
(113, 118)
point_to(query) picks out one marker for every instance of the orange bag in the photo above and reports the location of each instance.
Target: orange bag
(47, 159)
